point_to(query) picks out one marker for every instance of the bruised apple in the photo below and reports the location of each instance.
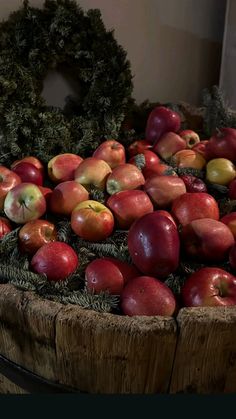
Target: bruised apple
(193, 206)
(128, 206)
(147, 296)
(164, 189)
(35, 234)
(153, 244)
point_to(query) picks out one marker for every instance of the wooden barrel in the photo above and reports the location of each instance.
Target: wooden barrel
(90, 352)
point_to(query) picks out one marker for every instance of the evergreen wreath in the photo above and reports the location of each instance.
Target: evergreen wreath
(33, 41)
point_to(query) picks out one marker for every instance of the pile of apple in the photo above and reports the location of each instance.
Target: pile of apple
(168, 217)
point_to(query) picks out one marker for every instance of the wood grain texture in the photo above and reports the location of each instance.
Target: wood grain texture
(85, 350)
(7, 387)
(205, 360)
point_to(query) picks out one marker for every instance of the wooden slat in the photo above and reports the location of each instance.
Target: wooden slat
(7, 387)
(85, 350)
(205, 360)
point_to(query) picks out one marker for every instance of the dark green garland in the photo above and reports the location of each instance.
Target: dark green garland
(32, 41)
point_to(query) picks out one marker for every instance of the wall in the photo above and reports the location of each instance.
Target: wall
(228, 66)
(174, 45)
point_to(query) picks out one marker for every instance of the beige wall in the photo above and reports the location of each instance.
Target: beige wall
(173, 45)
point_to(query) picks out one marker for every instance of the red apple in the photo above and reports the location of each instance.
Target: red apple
(128, 271)
(193, 184)
(112, 152)
(65, 196)
(5, 226)
(151, 159)
(222, 144)
(56, 260)
(138, 147)
(128, 206)
(103, 275)
(232, 189)
(92, 221)
(28, 173)
(153, 243)
(166, 214)
(169, 144)
(207, 240)
(35, 234)
(209, 287)
(93, 172)
(62, 167)
(232, 257)
(201, 148)
(191, 137)
(193, 206)
(25, 202)
(160, 120)
(30, 159)
(8, 180)
(46, 192)
(147, 296)
(124, 177)
(230, 221)
(158, 169)
(164, 189)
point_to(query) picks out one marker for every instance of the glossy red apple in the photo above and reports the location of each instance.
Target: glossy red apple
(191, 137)
(124, 177)
(30, 159)
(163, 190)
(169, 144)
(28, 173)
(92, 221)
(128, 271)
(153, 243)
(166, 214)
(62, 167)
(222, 144)
(230, 221)
(56, 260)
(5, 226)
(112, 152)
(35, 234)
(193, 206)
(207, 240)
(158, 169)
(160, 120)
(8, 179)
(201, 148)
(138, 147)
(151, 159)
(104, 275)
(65, 196)
(193, 184)
(46, 193)
(93, 172)
(128, 206)
(209, 286)
(25, 202)
(147, 296)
